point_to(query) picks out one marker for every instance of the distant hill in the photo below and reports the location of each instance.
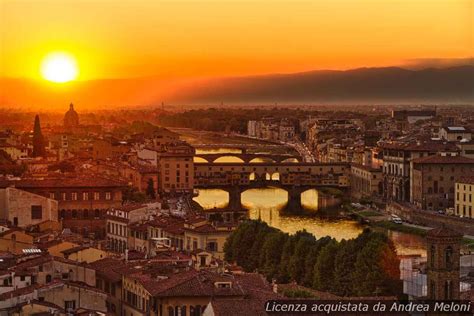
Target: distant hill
(363, 85)
(390, 84)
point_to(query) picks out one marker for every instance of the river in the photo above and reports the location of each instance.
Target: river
(266, 203)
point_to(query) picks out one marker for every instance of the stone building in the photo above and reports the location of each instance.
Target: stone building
(434, 178)
(23, 208)
(443, 275)
(455, 133)
(396, 165)
(176, 168)
(366, 181)
(83, 200)
(118, 220)
(464, 198)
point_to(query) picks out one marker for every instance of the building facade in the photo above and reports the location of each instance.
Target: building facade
(443, 247)
(23, 208)
(366, 181)
(464, 198)
(434, 179)
(396, 165)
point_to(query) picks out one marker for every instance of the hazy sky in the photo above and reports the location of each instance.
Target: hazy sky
(173, 39)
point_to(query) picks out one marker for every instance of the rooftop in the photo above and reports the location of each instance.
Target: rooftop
(438, 159)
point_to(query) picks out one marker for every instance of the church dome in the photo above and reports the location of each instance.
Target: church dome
(71, 118)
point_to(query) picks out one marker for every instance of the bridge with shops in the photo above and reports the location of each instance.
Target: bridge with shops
(295, 178)
(248, 157)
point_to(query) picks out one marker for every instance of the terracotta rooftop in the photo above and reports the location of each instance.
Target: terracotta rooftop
(18, 292)
(443, 232)
(62, 182)
(428, 146)
(437, 159)
(367, 168)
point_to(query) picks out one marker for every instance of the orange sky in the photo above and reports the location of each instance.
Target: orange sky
(194, 38)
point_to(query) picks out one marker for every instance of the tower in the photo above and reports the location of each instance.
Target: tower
(443, 250)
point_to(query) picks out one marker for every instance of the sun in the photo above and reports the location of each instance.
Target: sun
(59, 67)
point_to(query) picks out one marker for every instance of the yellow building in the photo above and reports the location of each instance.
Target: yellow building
(176, 168)
(464, 197)
(84, 254)
(15, 240)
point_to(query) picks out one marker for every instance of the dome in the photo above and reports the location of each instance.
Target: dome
(71, 118)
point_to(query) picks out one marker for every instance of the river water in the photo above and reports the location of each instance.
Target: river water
(266, 203)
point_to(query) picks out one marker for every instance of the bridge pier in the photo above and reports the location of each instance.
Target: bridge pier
(235, 198)
(294, 200)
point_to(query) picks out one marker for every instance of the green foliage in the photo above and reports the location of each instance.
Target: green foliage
(38, 140)
(150, 189)
(323, 273)
(220, 120)
(297, 293)
(365, 266)
(131, 194)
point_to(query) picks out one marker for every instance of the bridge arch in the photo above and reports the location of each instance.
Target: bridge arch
(292, 160)
(228, 159)
(198, 159)
(262, 159)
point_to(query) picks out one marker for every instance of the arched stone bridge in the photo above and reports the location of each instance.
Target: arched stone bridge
(295, 178)
(247, 157)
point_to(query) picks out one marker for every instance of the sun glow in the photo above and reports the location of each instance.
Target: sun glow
(59, 67)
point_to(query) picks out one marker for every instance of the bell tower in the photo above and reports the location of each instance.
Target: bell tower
(443, 250)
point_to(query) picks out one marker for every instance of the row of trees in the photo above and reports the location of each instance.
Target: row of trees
(364, 266)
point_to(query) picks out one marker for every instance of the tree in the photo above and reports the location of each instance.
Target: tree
(377, 269)
(270, 255)
(311, 259)
(297, 261)
(344, 267)
(150, 189)
(131, 194)
(324, 267)
(38, 140)
(287, 253)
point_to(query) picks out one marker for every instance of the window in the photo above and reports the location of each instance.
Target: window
(433, 256)
(96, 195)
(108, 196)
(448, 290)
(70, 305)
(448, 256)
(63, 196)
(85, 196)
(36, 212)
(51, 195)
(74, 196)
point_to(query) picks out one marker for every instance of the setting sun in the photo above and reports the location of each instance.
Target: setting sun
(59, 67)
